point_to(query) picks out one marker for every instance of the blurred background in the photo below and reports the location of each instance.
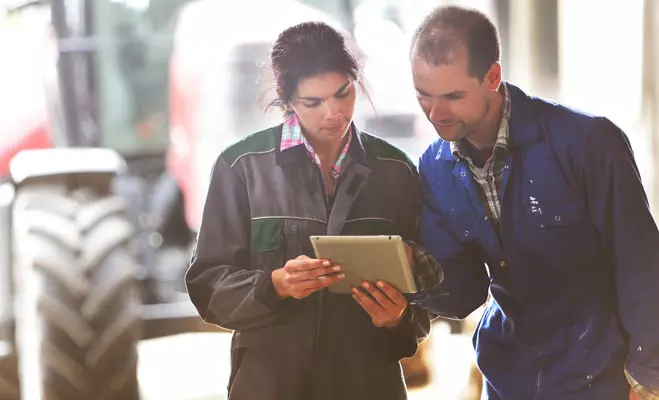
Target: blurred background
(94, 244)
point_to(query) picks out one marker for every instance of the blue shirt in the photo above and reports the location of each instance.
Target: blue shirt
(574, 271)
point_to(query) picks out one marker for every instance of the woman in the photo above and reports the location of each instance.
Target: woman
(252, 270)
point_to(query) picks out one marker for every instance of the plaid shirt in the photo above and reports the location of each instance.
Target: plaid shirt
(489, 176)
(427, 272)
(292, 136)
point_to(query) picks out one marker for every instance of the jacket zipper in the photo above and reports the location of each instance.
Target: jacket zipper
(321, 295)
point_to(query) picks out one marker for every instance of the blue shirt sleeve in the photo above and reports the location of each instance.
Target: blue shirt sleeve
(465, 285)
(619, 208)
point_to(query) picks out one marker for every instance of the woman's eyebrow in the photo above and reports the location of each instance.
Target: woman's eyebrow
(345, 85)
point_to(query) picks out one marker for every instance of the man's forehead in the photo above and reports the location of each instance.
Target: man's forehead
(426, 70)
(442, 79)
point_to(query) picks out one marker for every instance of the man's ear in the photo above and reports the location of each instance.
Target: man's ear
(493, 77)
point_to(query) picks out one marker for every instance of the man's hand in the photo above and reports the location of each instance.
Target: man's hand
(303, 276)
(385, 305)
(410, 255)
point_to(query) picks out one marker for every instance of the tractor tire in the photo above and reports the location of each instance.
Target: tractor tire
(77, 299)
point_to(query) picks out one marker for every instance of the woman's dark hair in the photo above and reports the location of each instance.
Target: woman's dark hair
(305, 50)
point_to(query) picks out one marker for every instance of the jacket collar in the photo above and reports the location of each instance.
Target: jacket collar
(524, 121)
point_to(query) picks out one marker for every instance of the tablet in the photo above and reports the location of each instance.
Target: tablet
(366, 258)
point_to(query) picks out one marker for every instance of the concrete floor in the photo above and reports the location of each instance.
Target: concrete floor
(196, 367)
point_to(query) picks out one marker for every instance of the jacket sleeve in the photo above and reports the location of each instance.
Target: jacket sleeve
(225, 291)
(619, 209)
(465, 282)
(403, 341)
(427, 271)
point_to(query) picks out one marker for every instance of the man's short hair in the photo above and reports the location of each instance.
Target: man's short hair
(448, 30)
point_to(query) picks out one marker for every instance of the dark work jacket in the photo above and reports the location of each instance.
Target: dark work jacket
(262, 206)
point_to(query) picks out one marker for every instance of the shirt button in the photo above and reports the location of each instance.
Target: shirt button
(502, 264)
(557, 218)
(467, 233)
(485, 218)
(506, 166)
(463, 174)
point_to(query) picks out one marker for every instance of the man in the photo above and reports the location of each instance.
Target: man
(551, 201)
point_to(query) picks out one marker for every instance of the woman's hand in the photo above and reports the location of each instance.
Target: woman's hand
(303, 276)
(385, 304)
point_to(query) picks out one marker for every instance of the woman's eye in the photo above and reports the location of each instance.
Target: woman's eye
(312, 105)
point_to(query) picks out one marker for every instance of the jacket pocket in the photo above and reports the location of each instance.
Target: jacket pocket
(267, 242)
(556, 214)
(460, 225)
(266, 234)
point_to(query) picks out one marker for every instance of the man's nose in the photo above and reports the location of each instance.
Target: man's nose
(438, 112)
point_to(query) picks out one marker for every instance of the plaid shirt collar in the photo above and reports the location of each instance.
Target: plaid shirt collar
(458, 149)
(292, 136)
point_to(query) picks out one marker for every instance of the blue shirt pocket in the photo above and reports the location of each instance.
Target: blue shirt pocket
(554, 214)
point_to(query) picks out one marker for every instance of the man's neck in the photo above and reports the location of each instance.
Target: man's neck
(484, 138)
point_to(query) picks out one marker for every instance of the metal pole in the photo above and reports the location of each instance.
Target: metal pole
(651, 91)
(347, 13)
(65, 76)
(74, 73)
